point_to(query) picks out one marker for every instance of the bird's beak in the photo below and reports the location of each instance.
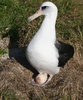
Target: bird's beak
(37, 14)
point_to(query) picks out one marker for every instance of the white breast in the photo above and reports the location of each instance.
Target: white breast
(43, 56)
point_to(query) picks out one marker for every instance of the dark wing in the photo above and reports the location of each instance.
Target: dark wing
(66, 52)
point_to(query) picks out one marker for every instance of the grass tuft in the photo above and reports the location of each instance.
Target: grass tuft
(2, 51)
(8, 95)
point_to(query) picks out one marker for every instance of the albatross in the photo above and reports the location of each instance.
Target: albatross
(45, 52)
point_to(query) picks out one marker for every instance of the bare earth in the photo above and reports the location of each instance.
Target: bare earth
(16, 75)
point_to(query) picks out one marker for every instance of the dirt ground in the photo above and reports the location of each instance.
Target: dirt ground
(16, 75)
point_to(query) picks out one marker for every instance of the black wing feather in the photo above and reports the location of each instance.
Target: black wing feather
(66, 52)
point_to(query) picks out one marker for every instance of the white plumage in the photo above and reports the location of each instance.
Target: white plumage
(41, 52)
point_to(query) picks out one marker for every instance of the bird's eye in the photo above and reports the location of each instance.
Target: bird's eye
(44, 7)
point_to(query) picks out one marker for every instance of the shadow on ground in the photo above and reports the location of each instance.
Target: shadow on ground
(19, 55)
(16, 52)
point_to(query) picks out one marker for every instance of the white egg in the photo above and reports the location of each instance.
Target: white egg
(41, 78)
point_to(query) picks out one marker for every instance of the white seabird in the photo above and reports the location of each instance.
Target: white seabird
(44, 52)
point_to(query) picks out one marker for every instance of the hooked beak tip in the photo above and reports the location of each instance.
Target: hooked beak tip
(37, 14)
(29, 20)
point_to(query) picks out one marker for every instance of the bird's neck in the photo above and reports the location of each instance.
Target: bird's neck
(47, 29)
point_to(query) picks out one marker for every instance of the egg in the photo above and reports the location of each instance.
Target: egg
(41, 78)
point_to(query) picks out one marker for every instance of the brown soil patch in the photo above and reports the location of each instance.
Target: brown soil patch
(67, 85)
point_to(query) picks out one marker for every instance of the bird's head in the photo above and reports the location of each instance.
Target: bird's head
(45, 9)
